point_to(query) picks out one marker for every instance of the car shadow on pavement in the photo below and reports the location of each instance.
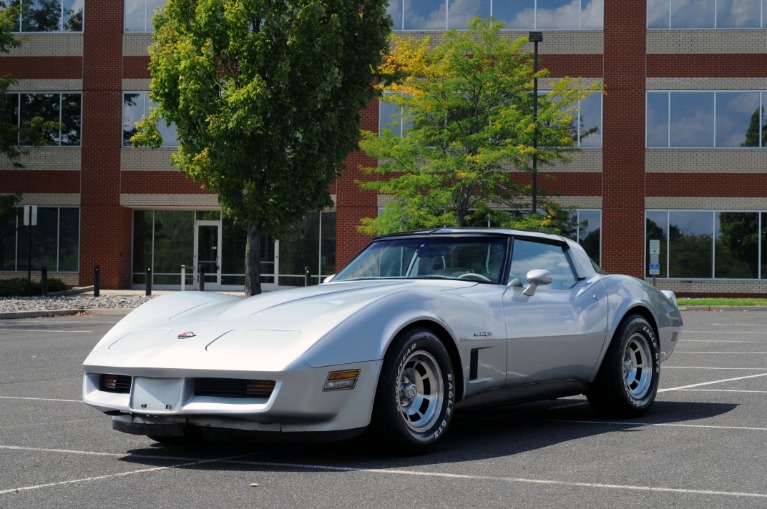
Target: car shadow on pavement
(474, 435)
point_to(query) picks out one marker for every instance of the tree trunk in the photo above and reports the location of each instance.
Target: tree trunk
(253, 261)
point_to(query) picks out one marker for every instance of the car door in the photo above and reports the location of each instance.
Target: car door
(556, 333)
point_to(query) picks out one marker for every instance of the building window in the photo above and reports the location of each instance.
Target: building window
(706, 14)
(164, 241)
(55, 241)
(136, 105)
(706, 119)
(587, 122)
(588, 232)
(55, 116)
(139, 14)
(708, 244)
(440, 15)
(49, 16)
(586, 128)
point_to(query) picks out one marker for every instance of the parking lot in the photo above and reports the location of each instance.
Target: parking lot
(704, 443)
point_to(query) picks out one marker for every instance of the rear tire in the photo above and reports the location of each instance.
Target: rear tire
(415, 395)
(627, 382)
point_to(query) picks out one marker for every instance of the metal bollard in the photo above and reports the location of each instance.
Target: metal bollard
(201, 275)
(307, 276)
(183, 278)
(96, 281)
(44, 281)
(149, 281)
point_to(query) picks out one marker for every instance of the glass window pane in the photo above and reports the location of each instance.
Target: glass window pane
(73, 15)
(590, 233)
(71, 116)
(737, 119)
(692, 13)
(737, 245)
(233, 239)
(135, 15)
(592, 14)
(460, 12)
(690, 244)
(151, 6)
(425, 15)
(515, 14)
(173, 241)
(8, 242)
(142, 243)
(527, 256)
(692, 119)
(763, 237)
(737, 13)
(763, 121)
(69, 239)
(45, 239)
(590, 121)
(558, 14)
(301, 250)
(42, 112)
(389, 118)
(657, 13)
(41, 16)
(167, 131)
(133, 110)
(657, 119)
(656, 228)
(328, 243)
(394, 9)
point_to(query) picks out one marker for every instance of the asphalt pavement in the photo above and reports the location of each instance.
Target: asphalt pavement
(704, 443)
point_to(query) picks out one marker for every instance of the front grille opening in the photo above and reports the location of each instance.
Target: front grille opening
(233, 388)
(115, 383)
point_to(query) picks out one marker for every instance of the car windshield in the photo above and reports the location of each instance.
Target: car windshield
(467, 258)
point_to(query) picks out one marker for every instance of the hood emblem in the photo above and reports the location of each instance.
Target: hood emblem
(186, 335)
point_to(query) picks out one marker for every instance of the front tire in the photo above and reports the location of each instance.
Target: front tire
(627, 382)
(415, 395)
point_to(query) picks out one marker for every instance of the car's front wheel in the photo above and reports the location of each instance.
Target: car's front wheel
(627, 381)
(415, 396)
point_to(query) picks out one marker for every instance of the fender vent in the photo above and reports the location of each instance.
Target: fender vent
(233, 388)
(115, 383)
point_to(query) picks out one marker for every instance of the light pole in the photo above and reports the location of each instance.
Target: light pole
(535, 38)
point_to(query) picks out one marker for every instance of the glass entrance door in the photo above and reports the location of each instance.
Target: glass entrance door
(207, 253)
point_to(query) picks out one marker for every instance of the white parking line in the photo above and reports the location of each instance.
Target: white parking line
(712, 382)
(521, 480)
(722, 390)
(713, 368)
(234, 460)
(719, 353)
(719, 341)
(720, 332)
(43, 399)
(184, 464)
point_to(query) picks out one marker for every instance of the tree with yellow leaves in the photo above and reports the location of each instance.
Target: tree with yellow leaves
(466, 132)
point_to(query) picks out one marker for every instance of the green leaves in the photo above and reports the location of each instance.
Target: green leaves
(468, 111)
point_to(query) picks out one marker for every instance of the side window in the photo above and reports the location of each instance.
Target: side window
(529, 255)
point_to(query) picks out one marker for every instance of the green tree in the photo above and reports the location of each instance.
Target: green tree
(467, 111)
(266, 97)
(9, 131)
(752, 132)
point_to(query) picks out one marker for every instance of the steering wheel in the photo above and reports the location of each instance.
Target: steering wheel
(473, 276)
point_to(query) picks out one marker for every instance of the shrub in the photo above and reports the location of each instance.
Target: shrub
(17, 287)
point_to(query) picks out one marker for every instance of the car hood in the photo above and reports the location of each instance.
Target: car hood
(271, 329)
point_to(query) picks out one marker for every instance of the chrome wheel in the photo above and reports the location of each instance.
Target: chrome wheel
(627, 381)
(420, 391)
(637, 366)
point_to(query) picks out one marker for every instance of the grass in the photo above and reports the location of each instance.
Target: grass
(711, 301)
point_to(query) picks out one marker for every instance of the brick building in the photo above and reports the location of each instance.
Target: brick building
(680, 154)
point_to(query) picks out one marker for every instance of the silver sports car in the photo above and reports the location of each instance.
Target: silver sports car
(416, 326)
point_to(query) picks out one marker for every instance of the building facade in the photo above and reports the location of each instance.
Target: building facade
(671, 181)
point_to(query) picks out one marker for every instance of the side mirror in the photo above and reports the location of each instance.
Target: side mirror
(536, 277)
(329, 278)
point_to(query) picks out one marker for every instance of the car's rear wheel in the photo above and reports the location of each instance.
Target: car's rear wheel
(627, 382)
(415, 395)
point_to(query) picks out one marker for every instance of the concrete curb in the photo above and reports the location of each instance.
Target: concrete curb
(723, 308)
(18, 315)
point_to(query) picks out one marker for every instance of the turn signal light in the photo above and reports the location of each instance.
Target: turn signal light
(340, 380)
